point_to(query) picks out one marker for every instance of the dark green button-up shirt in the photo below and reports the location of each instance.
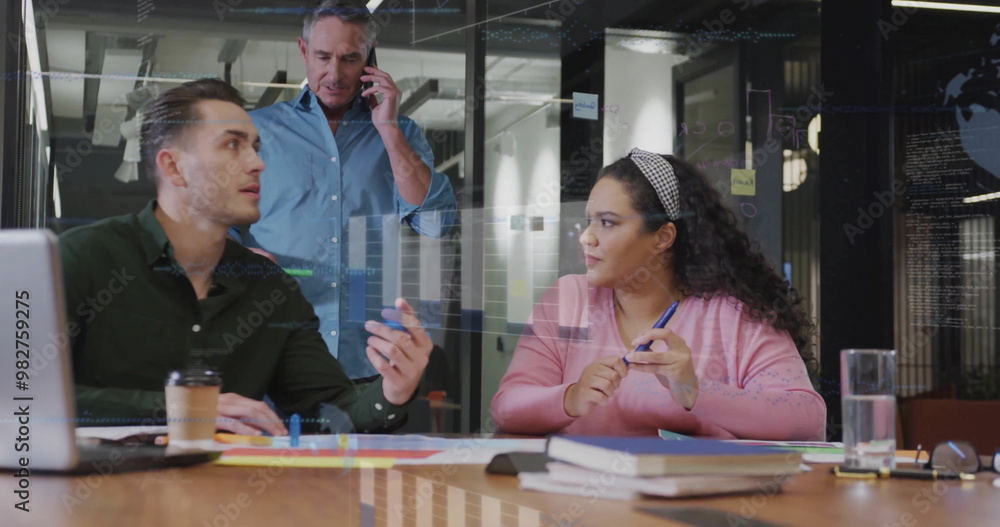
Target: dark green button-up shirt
(134, 317)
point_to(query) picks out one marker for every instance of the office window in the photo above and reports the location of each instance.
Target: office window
(945, 174)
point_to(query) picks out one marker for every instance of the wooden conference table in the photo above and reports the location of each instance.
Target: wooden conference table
(463, 495)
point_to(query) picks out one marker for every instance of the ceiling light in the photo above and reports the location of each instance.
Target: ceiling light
(700, 97)
(64, 75)
(112, 94)
(35, 65)
(812, 133)
(946, 6)
(273, 84)
(56, 195)
(129, 169)
(794, 171)
(373, 5)
(646, 45)
(640, 40)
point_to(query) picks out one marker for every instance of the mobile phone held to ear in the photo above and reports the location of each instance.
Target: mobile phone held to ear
(373, 62)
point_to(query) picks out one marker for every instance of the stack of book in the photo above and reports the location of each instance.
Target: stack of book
(628, 468)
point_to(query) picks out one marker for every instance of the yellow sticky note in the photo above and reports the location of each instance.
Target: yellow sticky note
(517, 287)
(743, 182)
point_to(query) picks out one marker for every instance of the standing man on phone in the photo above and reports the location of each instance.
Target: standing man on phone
(185, 296)
(338, 163)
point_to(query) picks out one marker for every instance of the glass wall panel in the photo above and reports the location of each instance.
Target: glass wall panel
(725, 85)
(569, 86)
(521, 214)
(945, 192)
(104, 61)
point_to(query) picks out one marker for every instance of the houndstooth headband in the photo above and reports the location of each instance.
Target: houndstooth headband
(661, 175)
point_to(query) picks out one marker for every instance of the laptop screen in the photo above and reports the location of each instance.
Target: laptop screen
(37, 411)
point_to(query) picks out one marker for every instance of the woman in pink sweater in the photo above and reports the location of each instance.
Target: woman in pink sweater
(733, 362)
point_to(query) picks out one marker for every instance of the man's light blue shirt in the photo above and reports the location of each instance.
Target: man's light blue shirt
(325, 201)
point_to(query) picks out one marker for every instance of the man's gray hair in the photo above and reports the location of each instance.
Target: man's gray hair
(349, 12)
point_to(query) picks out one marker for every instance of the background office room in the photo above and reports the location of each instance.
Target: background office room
(855, 139)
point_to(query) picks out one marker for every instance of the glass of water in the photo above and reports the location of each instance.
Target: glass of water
(868, 399)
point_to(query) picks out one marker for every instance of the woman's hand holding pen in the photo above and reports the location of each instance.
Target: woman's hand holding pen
(597, 383)
(673, 367)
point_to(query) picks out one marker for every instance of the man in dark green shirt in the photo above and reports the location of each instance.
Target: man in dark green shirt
(165, 289)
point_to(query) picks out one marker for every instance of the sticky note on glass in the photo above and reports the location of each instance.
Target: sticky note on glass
(517, 222)
(517, 288)
(743, 182)
(585, 105)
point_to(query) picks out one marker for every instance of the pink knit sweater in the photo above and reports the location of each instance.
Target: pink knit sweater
(751, 381)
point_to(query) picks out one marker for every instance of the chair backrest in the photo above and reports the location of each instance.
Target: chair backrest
(928, 422)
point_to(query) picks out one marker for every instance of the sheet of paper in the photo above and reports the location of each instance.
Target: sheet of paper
(305, 461)
(839, 458)
(477, 451)
(405, 442)
(346, 450)
(391, 449)
(673, 436)
(797, 444)
(117, 433)
(823, 458)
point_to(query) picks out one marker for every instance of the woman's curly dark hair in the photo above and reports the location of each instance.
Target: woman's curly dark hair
(714, 255)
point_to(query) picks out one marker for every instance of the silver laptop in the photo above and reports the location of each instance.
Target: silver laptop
(37, 404)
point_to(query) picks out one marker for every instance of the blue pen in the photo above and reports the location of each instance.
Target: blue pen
(664, 318)
(294, 430)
